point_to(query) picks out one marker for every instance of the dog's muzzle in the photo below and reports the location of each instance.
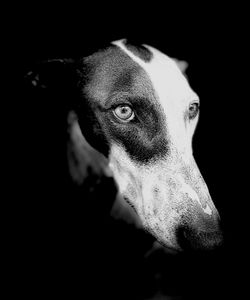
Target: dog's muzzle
(182, 214)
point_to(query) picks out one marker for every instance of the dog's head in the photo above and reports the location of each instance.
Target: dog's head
(143, 114)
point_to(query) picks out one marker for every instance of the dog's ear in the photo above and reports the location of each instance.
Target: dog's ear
(57, 86)
(48, 89)
(182, 65)
(52, 83)
(50, 73)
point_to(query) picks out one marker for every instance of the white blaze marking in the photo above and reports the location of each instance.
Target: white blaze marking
(174, 94)
(164, 73)
(173, 91)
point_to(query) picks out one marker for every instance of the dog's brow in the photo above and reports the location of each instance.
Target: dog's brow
(128, 98)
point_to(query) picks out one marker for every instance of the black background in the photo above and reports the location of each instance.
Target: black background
(64, 243)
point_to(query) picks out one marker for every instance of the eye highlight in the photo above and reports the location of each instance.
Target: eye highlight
(193, 110)
(124, 113)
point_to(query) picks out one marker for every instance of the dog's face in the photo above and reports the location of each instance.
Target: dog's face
(145, 113)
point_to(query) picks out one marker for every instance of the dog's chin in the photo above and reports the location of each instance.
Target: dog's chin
(170, 249)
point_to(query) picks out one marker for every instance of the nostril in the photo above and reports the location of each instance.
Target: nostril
(192, 239)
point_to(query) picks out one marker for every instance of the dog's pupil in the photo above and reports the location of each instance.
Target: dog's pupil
(124, 110)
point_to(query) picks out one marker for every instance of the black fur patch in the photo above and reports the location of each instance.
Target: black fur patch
(111, 78)
(144, 137)
(142, 52)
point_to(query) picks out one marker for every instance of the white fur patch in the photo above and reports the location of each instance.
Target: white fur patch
(173, 91)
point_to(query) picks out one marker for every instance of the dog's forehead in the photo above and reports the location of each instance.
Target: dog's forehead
(143, 72)
(113, 72)
(164, 74)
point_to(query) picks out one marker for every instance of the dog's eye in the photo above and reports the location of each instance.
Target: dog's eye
(124, 113)
(193, 110)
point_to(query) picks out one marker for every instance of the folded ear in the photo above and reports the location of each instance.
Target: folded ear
(47, 67)
(57, 84)
(54, 82)
(182, 65)
(51, 73)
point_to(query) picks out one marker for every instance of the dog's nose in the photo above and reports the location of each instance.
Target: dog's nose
(190, 238)
(201, 232)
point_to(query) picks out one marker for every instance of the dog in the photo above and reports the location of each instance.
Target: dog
(133, 120)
